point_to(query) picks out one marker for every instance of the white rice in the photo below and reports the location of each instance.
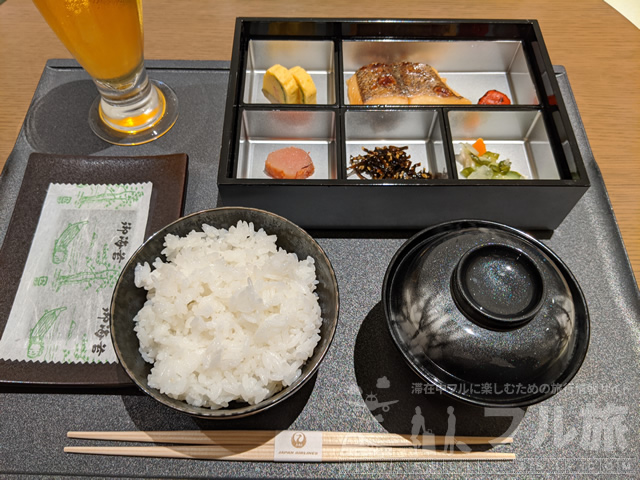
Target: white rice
(229, 316)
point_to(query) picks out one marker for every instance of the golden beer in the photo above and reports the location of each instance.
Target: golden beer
(104, 36)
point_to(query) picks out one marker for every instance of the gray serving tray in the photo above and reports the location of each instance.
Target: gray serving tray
(588, 430)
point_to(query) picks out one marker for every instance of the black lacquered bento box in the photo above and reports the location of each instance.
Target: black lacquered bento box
(475, 56)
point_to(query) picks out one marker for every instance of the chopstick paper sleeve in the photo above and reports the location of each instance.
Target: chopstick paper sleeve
(298, 446)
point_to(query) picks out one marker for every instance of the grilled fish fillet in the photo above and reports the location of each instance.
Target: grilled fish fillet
(400, 83)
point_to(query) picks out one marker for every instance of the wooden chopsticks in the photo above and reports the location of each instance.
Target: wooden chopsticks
(259, 437)
(265, 453)
(262, 445)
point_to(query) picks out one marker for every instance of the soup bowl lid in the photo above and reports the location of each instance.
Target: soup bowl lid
(486, 312)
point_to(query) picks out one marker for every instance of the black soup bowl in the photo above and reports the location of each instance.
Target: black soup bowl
(486, 313)
(127, 300)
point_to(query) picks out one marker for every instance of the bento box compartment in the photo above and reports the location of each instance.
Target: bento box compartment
(471, 68)
(263, 131)
(316, 57)
(519, 136)
(419, 130)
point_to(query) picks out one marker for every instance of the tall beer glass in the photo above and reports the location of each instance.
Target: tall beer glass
(106, 38)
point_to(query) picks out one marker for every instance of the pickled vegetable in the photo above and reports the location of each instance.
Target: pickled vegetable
(476, 165)
(494, 97)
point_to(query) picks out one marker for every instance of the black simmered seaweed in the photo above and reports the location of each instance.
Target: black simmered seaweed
(386, 162)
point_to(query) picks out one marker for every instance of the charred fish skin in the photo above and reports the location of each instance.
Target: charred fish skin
(416, 78)
(422, 84)
(378, 85)
(400, 83)
(420, 79)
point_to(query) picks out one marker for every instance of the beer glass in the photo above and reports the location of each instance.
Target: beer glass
(106, 38)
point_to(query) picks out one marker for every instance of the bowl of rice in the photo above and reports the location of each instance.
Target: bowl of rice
(225, 312)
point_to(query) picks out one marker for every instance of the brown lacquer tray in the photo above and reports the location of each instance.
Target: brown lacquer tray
(167, 173)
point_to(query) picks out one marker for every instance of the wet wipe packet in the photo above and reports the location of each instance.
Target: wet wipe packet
(84, 237)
